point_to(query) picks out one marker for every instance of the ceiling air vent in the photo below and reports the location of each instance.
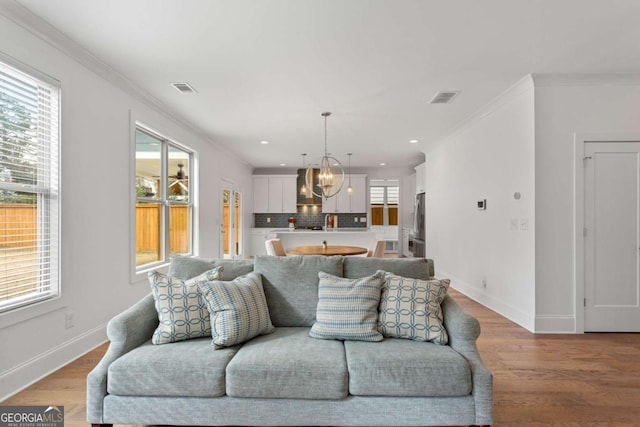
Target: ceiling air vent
(183, 87)
(444, 97)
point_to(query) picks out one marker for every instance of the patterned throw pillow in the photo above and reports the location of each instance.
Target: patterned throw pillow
(410, 308)
(348, 308)
(181, 310)
(238, 309)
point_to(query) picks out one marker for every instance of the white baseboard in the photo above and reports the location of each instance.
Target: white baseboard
(556, 324)
(30, 371)
(501, 307)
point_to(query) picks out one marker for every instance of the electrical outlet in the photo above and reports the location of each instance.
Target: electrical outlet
(355, 219)
(268, 220)
(524, 224)
(69, 320)
(514, 224)
(363, 219)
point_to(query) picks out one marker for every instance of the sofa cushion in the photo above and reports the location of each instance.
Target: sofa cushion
(238, 309)
(186, 368)
(418, 268)
(288, 364)
(185, 268)
(182, 312)
(410, 309)
(291, 285)
(398, 367)
(348, 308)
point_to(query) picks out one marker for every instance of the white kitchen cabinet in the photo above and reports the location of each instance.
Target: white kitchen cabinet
(421, 178)
(274, 193)
(261, 194)
(329, 205)
(289, 194)
(359, 196)
(345, 203)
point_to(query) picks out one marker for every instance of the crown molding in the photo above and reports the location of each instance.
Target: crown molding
(32, 23)
(586, 79)
(545, 80)
(521, 86)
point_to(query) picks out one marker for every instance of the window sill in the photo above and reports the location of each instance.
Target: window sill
(139, 276)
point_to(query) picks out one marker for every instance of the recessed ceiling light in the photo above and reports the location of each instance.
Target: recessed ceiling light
(383, 164)
(413, 141)
(264, 142)
(283, 164)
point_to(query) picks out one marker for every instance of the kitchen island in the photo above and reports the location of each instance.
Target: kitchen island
(341, 236)
(328, 250)
(349, 236)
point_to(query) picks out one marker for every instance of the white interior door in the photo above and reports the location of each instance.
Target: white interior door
(612, 240)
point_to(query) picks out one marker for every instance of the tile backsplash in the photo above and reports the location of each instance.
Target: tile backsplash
(307, 216)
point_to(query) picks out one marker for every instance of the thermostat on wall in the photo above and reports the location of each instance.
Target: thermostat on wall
(482, 205)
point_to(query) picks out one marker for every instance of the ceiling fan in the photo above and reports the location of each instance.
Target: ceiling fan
(180, 174)
(179, 183)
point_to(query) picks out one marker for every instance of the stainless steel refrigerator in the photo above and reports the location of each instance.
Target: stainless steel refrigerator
(419, 232)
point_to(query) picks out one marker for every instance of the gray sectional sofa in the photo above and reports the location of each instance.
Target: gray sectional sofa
(287, 378)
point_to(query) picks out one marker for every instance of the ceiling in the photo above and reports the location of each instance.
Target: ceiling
(267, 69)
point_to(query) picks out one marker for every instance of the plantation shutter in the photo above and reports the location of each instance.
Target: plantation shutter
(377, 195)
(29, 186)
(393, 195)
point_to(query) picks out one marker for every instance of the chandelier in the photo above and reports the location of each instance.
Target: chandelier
(331, 175)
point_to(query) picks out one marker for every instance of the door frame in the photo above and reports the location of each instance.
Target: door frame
(580, 139)
(228, 184)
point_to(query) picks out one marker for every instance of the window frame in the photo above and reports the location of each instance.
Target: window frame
(49, 201)
(164, 201)
(385, 203)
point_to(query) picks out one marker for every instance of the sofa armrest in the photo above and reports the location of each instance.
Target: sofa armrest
(463, 330)
(126, 331)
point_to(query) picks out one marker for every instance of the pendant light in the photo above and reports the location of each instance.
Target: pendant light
(349, 188)
(331, 175)
(303, 188)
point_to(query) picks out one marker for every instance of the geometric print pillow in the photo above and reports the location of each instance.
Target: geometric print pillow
(238, 309)
(348, 308)
(410, 309)
(181, 310)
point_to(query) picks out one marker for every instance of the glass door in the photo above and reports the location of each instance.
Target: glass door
(231, 229)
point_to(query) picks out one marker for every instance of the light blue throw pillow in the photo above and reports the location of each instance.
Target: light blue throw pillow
(348, 308)
(410, 309)
(182, 312)
(238, 309)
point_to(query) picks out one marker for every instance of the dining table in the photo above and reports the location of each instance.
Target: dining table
(327, 250)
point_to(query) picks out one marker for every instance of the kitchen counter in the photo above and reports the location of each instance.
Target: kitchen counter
(337, 230)
(342, 236)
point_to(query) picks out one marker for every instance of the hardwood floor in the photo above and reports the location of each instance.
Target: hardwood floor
(590, 380)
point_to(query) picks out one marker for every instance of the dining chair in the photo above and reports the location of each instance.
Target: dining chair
(376, 250)
(274, 247)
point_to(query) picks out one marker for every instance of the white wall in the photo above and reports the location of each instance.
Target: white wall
(96, 211)
(564, 106)
(490, 157)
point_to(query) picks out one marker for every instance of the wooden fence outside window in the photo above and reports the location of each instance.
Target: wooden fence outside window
(19, 227)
